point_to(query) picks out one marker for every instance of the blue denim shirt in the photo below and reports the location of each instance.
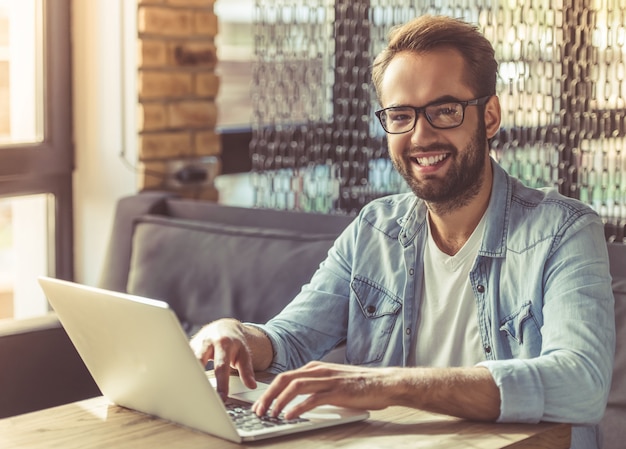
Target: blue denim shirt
(541, 283)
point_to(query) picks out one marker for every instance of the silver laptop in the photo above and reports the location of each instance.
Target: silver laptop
(140, 358)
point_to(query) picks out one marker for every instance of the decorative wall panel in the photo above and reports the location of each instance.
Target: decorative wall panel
(317, 147)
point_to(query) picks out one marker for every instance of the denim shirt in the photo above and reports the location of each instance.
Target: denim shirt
(541, 283)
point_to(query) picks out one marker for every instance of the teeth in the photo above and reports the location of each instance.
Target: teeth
(430, 160)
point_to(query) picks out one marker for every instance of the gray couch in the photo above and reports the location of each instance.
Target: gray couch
(613, 425)
(209, 261)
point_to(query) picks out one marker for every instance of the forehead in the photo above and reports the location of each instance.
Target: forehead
(420, 78)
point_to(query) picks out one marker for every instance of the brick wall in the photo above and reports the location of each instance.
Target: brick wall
(177, 87)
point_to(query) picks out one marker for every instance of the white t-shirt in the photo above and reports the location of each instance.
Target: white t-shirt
(447, 325)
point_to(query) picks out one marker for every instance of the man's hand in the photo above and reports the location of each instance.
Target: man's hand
(327, 383)
(228, 343)
(464, 392)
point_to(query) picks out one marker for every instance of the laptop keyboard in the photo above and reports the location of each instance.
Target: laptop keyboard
(245, 419)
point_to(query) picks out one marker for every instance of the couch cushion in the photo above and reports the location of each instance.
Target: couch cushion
(613, 425)
(208, 270)
(618, 390)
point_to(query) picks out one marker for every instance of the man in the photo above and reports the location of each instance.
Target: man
(472, 296)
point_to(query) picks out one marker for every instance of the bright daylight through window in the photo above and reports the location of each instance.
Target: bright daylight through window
(24, 223)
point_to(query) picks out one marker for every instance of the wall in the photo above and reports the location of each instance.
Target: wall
(104, 124)
(144, 92)
(177, 86)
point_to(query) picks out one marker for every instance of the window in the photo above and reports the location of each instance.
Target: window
(235, 47)
(24, 253)
(20, 72)
(35, 152)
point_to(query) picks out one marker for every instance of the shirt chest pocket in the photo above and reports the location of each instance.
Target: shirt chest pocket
(374, 312)
(523, 332)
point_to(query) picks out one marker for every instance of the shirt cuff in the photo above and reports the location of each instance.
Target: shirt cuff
(279, 357)
(521, 390)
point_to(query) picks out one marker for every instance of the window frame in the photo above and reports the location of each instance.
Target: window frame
(46, 166)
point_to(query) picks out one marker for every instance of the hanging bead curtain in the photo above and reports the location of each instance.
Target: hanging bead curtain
(316, 145)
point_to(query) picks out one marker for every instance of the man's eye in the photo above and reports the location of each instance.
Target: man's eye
(399, 117)
(445, 110)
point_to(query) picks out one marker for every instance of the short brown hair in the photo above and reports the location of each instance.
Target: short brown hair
(427, 33)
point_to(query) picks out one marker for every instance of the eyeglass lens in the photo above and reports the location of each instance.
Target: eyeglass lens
(403, 119)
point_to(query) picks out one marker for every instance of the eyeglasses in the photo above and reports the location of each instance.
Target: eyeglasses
(441, 115)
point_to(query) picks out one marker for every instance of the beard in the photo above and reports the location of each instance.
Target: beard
(462, 182)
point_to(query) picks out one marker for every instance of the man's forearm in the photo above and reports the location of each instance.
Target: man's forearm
(469, 393)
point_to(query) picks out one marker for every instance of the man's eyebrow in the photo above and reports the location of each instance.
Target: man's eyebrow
(442, 99)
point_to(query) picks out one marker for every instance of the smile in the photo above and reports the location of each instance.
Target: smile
(430, 160)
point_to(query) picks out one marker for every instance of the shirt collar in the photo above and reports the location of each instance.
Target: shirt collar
(498, 212)
(496, 228)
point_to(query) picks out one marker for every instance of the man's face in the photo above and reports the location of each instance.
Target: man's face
(445, 167)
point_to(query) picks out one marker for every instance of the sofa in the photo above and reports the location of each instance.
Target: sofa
(613, 424)
(207, 260)
(210, 261)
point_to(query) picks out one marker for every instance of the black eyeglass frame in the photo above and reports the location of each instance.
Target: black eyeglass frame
(474, 102)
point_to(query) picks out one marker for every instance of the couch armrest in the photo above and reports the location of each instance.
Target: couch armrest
(612, 424)
(117, 260)
(39, 367)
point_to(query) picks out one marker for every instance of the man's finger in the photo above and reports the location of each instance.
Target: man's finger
(221, 367)
(312, 401)
(243, 364)
(307, 386)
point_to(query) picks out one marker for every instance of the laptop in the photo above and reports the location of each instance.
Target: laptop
(140, 358)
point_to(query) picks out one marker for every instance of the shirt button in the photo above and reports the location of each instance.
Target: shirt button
(480, 288)
(408, 331)
(370, 309)
(411, 271)
(488, 349)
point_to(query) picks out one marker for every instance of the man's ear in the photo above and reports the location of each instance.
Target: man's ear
(493, 115)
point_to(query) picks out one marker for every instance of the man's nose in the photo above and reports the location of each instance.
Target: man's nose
(423, 131)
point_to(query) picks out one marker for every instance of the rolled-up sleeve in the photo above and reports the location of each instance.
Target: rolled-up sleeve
(570, 379)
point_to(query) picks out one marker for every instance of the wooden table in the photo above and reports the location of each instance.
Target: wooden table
(95, 423)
